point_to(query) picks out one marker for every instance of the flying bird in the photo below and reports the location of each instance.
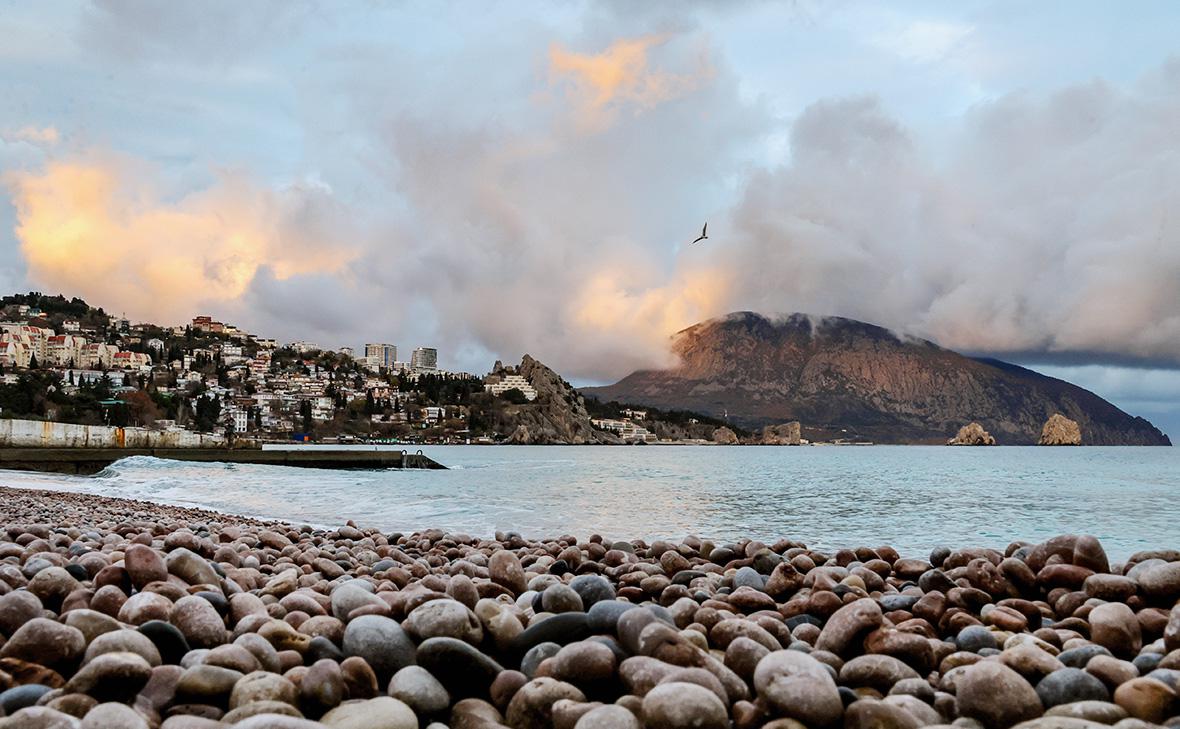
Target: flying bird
(704, 234)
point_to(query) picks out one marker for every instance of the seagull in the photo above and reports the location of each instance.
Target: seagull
(704, 234)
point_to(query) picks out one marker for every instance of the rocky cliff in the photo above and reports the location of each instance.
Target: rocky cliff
(1060, 430)
(972, 434)
(557, 416)
(851, 379)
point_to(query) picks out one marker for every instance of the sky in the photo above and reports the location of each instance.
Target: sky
(494, 178)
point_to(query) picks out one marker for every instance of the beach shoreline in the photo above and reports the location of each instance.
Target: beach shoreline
(127, 613)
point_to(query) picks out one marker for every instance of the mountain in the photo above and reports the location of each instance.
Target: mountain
(846, 378)
(556, 416)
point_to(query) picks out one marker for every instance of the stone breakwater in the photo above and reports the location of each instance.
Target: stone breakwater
(127, 615)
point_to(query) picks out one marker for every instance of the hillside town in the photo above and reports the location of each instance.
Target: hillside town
(62, 360)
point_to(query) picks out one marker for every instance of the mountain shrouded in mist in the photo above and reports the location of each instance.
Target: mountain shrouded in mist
(836, 374)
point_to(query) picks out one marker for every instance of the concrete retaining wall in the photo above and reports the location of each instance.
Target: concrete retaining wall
(39, 434)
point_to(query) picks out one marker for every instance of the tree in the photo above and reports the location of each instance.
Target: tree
(514, 396)
(33, 362)
(305, 413)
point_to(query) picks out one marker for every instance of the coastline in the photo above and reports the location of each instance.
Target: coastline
(124, 613)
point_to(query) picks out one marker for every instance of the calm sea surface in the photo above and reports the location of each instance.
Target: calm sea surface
(908, 496)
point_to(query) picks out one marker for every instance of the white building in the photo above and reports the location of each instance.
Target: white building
(424, 359)
(131, 361)
(500, 384)
(97, 355)
(65, 349)
(304, 347)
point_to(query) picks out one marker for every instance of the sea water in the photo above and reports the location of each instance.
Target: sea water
(911, 497)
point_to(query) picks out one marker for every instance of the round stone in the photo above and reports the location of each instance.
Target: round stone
(199, 622)
(383, 712)
(46, 642)
(381, 642)
(111, 676)
(443, 619)
(1115, 627)
(979, 686)
(263, 686)
(975, 638)
(1069, 685)
(607, 717)
(841, 633)
(797, 686)
(144, 565)
(679, 705)
(420, 690)
(532, 706)
(561, 598)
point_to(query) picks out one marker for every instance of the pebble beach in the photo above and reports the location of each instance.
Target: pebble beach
(121, 614)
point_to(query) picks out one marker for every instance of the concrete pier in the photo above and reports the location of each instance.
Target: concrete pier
(87, 461)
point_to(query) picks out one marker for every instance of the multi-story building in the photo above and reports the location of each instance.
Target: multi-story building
(380, 356)
(304, 347)
(130, 360)
(97, 355)
(64, 350)
(424, 359)
(500, 384)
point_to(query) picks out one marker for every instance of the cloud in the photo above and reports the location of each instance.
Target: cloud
(1046, 224)
(100, 227)
(39, 136)
(601, 85)
(923, 41)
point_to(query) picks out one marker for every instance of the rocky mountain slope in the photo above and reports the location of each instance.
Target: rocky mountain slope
(846, 378)
(557, 415)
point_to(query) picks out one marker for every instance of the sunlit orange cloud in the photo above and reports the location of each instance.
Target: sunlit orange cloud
(31, 134)
(86, 229)
(610, 309)
(600, 84)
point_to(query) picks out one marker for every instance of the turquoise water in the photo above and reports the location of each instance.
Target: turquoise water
(911, 497)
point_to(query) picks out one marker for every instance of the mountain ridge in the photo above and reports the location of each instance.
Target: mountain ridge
(840, 375)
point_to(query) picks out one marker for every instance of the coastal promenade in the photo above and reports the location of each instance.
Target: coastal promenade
(85, 461)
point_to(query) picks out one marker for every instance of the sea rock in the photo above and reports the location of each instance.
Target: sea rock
(1060, 430)
(725, 436)
(785, 434)
(972, 434)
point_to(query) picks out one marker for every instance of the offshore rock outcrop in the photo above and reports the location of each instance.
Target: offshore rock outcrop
(785, 434)
(1060, 430)
(849, 379)
(972, 434)
(557, 416)
(725, 436)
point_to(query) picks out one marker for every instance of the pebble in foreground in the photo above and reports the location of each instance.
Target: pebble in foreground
(126, 615)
